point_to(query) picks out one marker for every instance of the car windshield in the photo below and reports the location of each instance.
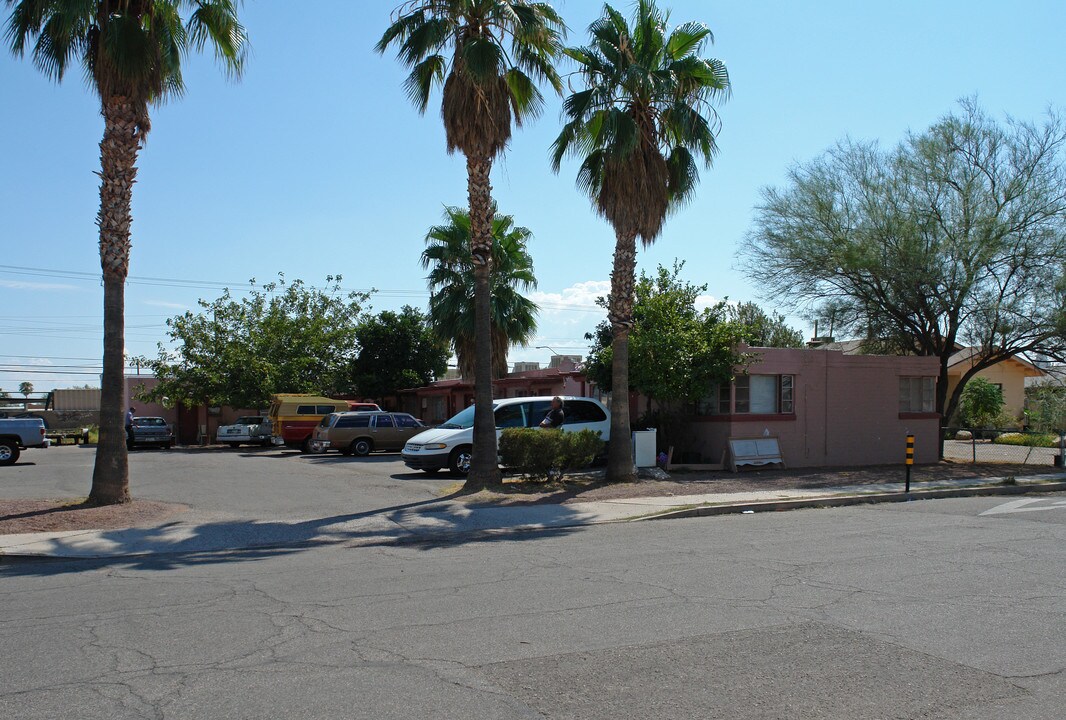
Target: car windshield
(249, 420)
(460, 421)
(149, 422)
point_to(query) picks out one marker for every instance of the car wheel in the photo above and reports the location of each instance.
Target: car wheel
(234, 445)
(305, 446)
(9, 453)
(361, 447)
(459, 462)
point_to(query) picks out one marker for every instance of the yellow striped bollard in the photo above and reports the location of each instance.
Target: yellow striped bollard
(910, 460)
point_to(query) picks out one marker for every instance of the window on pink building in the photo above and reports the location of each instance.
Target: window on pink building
(751, 395)
(917, 394)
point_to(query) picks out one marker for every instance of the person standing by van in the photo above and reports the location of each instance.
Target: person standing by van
(129, 429)
(555, 416)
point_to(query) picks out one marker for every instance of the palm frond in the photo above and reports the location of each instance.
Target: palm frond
(488, 56)
(643, 115)
(132, 50)
(451, 284)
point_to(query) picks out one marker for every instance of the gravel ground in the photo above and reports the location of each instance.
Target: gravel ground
(591, 487)
(29, 516)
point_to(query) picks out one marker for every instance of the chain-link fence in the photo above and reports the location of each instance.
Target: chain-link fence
(1021, 447)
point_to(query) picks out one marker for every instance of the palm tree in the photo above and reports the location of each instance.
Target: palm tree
(131, 52)
(486, 55)
(642, 120)
(451, 284)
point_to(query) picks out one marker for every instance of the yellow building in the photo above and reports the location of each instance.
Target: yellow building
(1009, 375)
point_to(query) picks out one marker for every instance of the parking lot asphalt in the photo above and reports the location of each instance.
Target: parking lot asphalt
(247, 482)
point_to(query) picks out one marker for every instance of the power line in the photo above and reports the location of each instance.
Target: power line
(45, 372)
(47, 357)
(217, 285)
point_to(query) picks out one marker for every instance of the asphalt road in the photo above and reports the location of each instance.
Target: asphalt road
(933, 609)
(263, 484)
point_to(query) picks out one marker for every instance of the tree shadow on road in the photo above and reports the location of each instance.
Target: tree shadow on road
(424, 525)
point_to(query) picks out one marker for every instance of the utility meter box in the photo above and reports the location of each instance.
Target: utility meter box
(644, 442)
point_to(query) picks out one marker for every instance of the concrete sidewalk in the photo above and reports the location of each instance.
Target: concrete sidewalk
(440, 520)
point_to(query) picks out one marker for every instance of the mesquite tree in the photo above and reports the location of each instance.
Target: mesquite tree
(957, 236)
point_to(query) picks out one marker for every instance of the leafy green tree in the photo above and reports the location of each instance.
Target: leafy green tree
(397, 350)
(982, 404)
(281, 337)
(762, 329)
(452, 280)
(676, 351)
(26, 388)
(640, 125)
(131, 53)
(957, 236)
(487, 56)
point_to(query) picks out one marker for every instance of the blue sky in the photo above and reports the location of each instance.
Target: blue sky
(316, 163)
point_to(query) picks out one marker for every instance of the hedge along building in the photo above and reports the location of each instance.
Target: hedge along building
(825, 407)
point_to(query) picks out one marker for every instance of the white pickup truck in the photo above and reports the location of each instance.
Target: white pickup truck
(17, 434)
(248, 430)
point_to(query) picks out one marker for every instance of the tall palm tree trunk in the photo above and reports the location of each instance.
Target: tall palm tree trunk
(484, 467)
(620, 314)
(118, 161)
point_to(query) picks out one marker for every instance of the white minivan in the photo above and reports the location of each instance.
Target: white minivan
(449, 445)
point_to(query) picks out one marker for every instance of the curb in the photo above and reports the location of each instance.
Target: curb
(847, 500)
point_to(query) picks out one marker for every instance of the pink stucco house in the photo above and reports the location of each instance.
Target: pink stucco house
(826, 408)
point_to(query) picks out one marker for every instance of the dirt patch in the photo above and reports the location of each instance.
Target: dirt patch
(592, 487)
(30, 516)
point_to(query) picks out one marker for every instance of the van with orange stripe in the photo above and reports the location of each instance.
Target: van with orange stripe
(293, 417)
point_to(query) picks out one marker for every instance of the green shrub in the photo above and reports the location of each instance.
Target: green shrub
(538, 453)
(981, 404)
(1028, 440)
(579, 449)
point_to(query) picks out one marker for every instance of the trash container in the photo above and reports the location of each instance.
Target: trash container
(1059, 461)
(644, 448)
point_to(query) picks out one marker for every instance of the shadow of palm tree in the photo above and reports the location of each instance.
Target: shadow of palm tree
(424, 524)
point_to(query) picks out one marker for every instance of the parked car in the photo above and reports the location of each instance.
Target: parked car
(247, 429)
(151, 431)
(293, 418)
(360, 433)
(17, 434)
(450, 444)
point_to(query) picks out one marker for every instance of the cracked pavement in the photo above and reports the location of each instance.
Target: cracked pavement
(920, 610)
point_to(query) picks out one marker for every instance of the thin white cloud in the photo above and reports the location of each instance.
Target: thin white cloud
(582, 297)
(30, 285)
(167, 305)
(578, 299)
(706, 301)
